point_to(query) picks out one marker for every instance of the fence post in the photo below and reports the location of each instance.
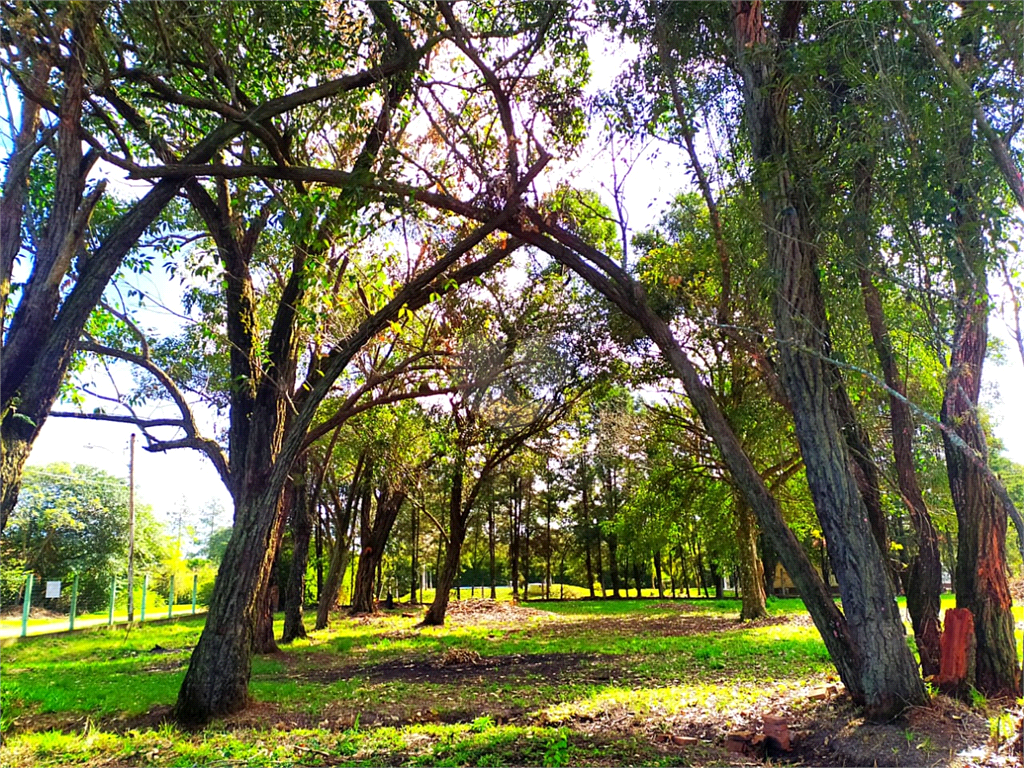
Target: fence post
(74, 603)
(170, 599)
(195, 588)
(26, 604)
(113, 594)
(145, 591)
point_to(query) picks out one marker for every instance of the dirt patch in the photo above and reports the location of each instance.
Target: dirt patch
(944, 733)
(824, 733)
(662, 626)
(477, 611)
(551, 666)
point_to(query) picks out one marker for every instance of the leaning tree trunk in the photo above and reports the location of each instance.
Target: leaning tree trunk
(263, 641)
(751, 576)
(889, 672)
(339, 554)
(453, 556)
(617, 286)
(332, 582)
(388, 506)
(301, 529)
(865, 471)
(217, 680)
(924, 580)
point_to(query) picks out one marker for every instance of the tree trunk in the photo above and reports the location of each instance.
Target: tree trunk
(981, 581)
(526, 549)
(490, 546)
(414, 582)
(456, 537)
(217, 680)
(514, 515)
(889, 674)
(389, 503)
(577, 255)
(636, 576)
(672, 571)
(319, 552)
(600, 566)
(702, 580)
(590, 568)
(301, 528)
(751, 577)
(769, 560)
(547, 554)
(657, 573)
(924, 578)
(263, 638)
(613, 563)
(342, 540)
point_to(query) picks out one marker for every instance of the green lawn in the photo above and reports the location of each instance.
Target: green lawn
(579, 682)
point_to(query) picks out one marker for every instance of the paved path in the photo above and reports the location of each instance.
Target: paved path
(12, 627)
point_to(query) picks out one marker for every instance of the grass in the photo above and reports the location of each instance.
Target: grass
(579, 682)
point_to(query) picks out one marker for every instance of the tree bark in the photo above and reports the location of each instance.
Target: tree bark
(302, 507)
(514, 515)
(613, 562)
(751, 576)
(453, 556)
(414, 582)
(389, 504)
(217, 680)
(981, 571)
(526, 547)
(657, 573)
(547, 553)
(924, 579)
(490, 546)
(342, 540)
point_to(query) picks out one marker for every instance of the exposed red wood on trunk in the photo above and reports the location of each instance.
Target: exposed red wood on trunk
(956, 674)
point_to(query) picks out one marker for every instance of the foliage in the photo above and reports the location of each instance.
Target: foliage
(75, 520)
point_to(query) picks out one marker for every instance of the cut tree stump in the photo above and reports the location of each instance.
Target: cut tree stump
(777, 732)
(957, 650)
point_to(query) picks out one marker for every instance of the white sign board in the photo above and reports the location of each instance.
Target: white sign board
(53, 589)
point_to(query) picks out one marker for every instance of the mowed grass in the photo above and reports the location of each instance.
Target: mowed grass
(552, 685)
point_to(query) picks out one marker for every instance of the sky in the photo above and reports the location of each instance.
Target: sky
(180, 480)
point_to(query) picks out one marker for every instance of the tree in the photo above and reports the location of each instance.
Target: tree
(73, 520)
(117, 107)
(524, 363)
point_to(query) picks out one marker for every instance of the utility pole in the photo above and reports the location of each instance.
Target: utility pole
(131, 529)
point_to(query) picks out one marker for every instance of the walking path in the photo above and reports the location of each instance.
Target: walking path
(12, 627)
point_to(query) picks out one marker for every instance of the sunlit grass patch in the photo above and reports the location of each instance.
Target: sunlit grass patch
(667, 700)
